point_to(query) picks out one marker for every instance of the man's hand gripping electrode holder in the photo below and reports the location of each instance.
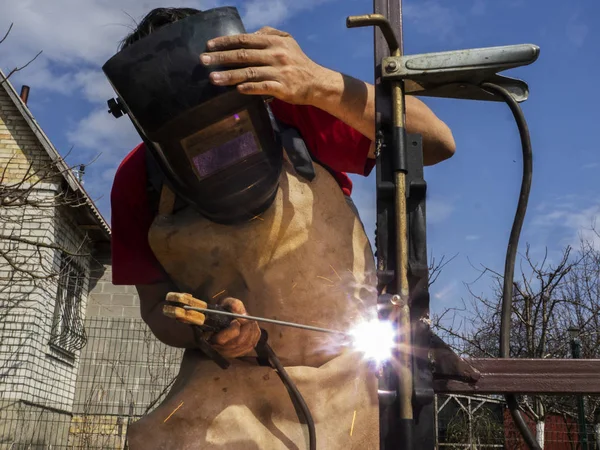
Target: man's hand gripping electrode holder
(204, 326)
(179, 306)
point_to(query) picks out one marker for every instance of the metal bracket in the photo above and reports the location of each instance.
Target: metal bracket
(448, 365)
(457, 74)
(525, 376)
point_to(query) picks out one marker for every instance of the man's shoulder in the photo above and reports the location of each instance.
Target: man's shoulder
(131, 171)
(134, 160)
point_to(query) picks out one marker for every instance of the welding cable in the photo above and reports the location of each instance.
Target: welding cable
(511, 252)
(294, 394)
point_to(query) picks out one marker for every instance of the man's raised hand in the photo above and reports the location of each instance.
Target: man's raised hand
(269, 62)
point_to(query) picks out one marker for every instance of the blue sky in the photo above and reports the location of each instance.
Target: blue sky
(472, 197)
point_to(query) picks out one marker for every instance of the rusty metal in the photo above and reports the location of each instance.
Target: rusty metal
(460, 74)
(24, 94)
(526, 376)
(448, 365)
(381, 22)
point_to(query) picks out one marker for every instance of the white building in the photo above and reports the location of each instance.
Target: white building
(50, 234)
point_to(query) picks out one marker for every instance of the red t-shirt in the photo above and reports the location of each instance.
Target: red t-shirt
(331, 141)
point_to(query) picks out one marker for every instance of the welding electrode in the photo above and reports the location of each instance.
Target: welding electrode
(262, 319)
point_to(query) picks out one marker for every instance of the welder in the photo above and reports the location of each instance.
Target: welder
(239, 196)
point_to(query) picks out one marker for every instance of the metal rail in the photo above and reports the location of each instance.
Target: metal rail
(526, 376)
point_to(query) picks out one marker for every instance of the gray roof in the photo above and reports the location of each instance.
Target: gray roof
(91, 218)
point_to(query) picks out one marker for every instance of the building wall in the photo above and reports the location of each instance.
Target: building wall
(124, 368)
(48, 397)
(108, 300)
(32, 234)
(19, 147)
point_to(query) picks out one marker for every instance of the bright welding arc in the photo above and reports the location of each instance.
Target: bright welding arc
(374, 339)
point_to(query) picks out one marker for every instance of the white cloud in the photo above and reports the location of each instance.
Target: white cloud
(76, 38)
(439, 18)
(94, 85)
(101, 132)
(433, 17)
(472, 237)
(576, 31)
(446, 292)
(571, 222)
(478, 7)
(259, 13)
(591, 165)
(74, 31)
(439, 210)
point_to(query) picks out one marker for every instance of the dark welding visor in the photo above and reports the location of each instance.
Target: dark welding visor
(215, 146)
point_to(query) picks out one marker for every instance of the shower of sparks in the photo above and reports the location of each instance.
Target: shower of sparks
(375, 339)
(353, 419)
(174, 411)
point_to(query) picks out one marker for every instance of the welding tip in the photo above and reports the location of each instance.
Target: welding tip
(262, 319)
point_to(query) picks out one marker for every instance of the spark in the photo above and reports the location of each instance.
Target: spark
(334, 271)
(353, 419)
(318, 276)
(219, 293)
(257, 217)
(174, 411)
(375, 339)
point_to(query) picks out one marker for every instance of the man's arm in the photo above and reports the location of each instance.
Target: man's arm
(166, 330)
(238, 339)
(353, 102)
(276, 66)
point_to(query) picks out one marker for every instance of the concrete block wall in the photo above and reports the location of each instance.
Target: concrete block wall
(108, 300)
(124, 368)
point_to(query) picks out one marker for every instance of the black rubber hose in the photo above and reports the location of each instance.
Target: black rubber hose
(511, 253)
(294, 393)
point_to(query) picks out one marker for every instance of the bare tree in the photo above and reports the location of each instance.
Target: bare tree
(549, 298)
(43, 265)
(16, 68)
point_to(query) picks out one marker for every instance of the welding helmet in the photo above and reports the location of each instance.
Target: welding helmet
(216, 147)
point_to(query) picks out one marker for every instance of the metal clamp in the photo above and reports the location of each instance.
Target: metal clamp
(457, 74)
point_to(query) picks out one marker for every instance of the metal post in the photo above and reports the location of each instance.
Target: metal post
(576, 353)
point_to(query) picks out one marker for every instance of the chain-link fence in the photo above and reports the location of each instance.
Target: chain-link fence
(484, 422)
(124, 372)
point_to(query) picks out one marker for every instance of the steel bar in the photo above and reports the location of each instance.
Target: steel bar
(262, 319)
(526, 376)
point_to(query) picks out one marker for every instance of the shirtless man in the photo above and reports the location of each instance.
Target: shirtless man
(306, 259)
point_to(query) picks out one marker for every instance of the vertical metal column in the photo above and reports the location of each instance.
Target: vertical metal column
(405, 387)
(391, 214)
(402, 252)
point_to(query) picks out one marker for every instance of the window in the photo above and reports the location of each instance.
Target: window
(68, 333)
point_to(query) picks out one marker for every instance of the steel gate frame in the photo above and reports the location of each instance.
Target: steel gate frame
(407, 389)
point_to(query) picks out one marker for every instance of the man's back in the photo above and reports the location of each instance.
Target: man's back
(339, 147)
